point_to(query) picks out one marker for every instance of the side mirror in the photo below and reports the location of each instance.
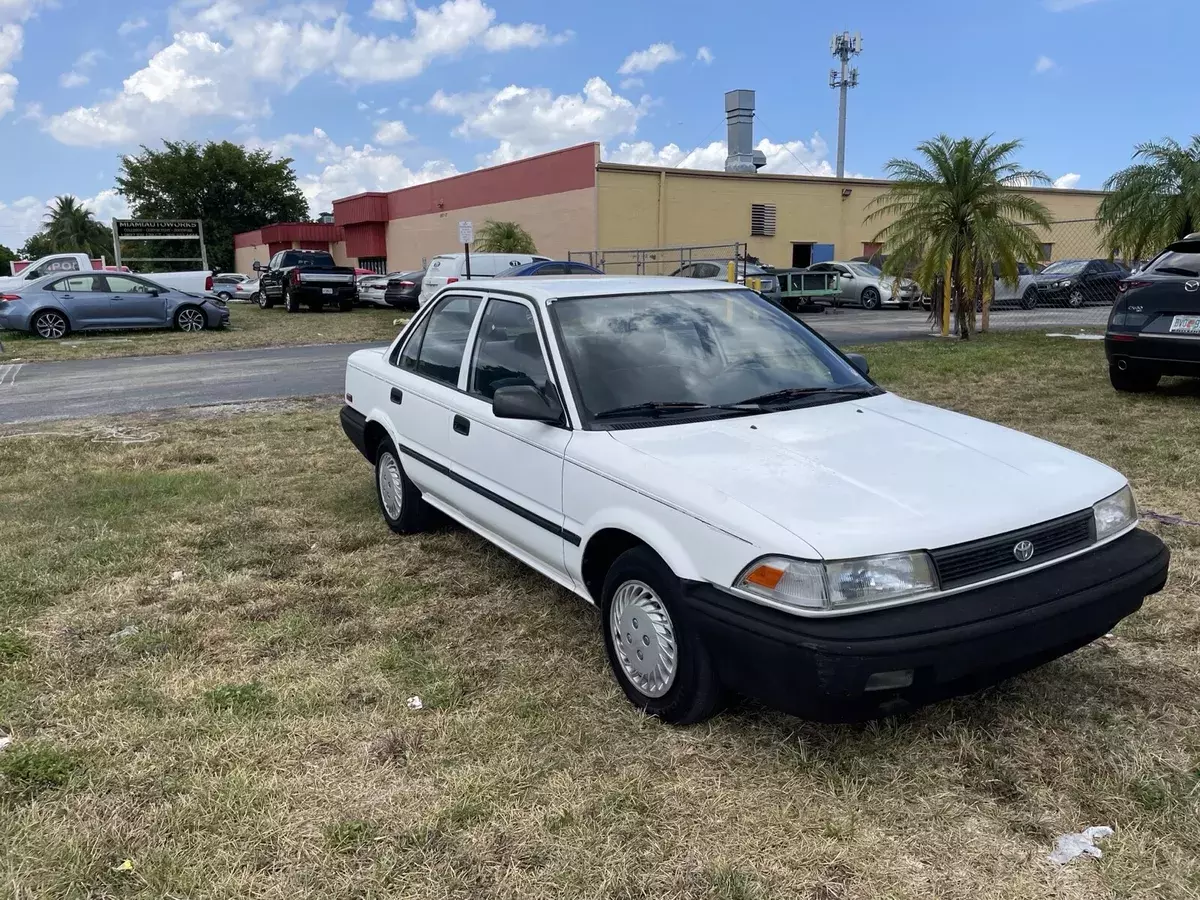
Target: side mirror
(849, 276)
(257, 265)
(524, 401)
(859, 362)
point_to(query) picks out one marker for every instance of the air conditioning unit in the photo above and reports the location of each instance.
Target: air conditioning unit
(762, 219)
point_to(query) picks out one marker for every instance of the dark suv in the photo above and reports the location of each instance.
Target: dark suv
(1076, 282)
(1154, 328)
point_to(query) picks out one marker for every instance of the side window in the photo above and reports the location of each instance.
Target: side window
(579, 269)
(120, 284)
(76, 284)
(445, 339)
(412, 348)
(507, 351)
(552, 269)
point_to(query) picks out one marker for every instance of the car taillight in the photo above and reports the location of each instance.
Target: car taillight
(451, 280)
(408, 284)
(1124, 286)
(295, 276)
(7, 298)
(208, 284)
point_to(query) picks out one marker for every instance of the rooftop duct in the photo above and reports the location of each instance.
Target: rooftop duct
(739, 116)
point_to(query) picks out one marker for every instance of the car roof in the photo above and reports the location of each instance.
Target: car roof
(564, 287)
(71, 273)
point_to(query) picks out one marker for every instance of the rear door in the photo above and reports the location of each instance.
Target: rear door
(269, 282)
(136, 303)
(84, 298)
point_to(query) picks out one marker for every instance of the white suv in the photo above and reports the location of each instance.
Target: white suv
(749, 511)
(451, 267)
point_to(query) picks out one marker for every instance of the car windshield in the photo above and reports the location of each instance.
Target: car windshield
(694, 349)
(1065, 267)
(867, 269)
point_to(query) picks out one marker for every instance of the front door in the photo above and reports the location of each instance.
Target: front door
(515, 467)
(136, 303)
(85, 299)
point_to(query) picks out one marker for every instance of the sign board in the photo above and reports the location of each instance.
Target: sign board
(466, 232)
(158, 229)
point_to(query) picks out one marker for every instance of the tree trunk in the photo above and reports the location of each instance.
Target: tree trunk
(957, 296)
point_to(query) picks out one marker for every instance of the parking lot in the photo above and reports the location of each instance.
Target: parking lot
(849, 324)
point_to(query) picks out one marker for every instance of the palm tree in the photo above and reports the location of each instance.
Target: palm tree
(1155, 201)
(72, 228)
(504, 237)
(957, 208)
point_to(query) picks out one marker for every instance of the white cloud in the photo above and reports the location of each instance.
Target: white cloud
(341, 171)
(1064, 5)
(363, 107)
(228, 57)
(533, 120)
(631, 84)
(392, 133)
(788, 158)
(13, 15)
(390, 10)
(73, 79)
(649, 59)
(129, 26)
(1068, 181)
(705, 56)
(1043, 65)
(78, 76)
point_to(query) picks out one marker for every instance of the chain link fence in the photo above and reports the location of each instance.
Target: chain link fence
(657, 260)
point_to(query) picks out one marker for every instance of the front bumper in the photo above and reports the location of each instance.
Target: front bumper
(819, 668)
(1169, 354)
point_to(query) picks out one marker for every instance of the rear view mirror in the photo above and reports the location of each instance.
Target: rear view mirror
(524, 401)
(859, 362)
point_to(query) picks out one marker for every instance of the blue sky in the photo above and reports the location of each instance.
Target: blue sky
(378, 94)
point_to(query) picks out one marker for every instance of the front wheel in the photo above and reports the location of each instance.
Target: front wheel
(870, 299)
(261, 299)
(660, 662)
(1075, 299)
(1133, 381)
(190, 318)
(1029, 299)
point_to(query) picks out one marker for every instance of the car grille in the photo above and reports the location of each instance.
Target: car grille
(991, 557)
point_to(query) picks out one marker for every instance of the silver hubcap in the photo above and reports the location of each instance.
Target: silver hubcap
(1076, 299)
(644, 638)
(191, 320)
(51, 325)
(391, 485)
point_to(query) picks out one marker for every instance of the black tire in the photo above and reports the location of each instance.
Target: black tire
(871, 299)
(1133, 380)
(1029, 299)
(1075, 299)
(407, 513)
(345, 305)
(263, 301)
(190, 318)
(50, 324)
(290, 303)
(694, 692)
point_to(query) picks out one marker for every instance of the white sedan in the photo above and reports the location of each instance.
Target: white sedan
(748, 510)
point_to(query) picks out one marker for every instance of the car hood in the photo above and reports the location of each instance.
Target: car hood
(876, 475)
(1050, 279)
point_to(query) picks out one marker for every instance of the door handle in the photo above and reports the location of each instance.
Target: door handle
(397, 396)
(462, 424)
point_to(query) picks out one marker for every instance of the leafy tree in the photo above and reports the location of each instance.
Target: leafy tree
(1155, 201)
(504, 237)
(229, 188)
(36, 246)
(957, 208)
(72, 228)
(6, 256)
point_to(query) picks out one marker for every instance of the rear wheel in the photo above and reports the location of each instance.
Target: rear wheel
(346, 305)
(225, 295)
(1133, 380)
(1029, 299)
(190, 318)
(870, 298)
(51, 324)
(257, 297)
(399, 500)
(290, 303)
(660, 662)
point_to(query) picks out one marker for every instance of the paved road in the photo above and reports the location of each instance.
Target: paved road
(63, 390)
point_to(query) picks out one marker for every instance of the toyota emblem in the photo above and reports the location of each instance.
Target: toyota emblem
(1023, 551)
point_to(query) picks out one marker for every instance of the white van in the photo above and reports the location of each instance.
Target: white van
(451, 267)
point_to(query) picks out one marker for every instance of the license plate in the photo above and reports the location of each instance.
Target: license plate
(326, 290)
(1185, 325)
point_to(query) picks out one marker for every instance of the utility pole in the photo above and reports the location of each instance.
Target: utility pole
(844, 46)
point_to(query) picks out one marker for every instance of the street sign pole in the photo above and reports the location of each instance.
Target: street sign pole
(466, 234)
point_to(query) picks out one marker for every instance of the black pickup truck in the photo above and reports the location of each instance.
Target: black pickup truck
(305, 277)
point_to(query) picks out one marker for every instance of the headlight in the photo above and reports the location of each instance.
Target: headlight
(839, 584)
(1114, 514)
(1065, 283)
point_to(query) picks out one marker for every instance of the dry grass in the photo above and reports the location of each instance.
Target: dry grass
(249, 736)
(249, 327)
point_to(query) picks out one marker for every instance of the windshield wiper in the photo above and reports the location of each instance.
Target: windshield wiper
(1175, 270)
(661, 407)
(798, 393)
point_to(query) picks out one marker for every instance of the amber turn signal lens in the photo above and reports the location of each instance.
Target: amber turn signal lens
(765, 576)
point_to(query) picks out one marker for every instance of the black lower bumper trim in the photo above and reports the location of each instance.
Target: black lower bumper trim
(819, 668)
(354, 424)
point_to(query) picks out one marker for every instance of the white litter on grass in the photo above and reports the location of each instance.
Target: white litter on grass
(1069, 846)
(1079, 337)
(127, 631)
(415, 703)
(5, 740)
(115, 434)
(177, 577)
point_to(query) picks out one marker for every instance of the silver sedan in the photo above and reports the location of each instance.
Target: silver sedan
(54, 306)
(865, 285)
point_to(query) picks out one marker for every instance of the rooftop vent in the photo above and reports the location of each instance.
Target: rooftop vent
(739, 115)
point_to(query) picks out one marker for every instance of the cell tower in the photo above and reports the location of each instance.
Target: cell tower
(844, 46)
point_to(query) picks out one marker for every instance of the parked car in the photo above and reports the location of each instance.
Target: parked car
(1154, 327)
(246, 290)
(718, 270)
(225, 286)
(305, 277)
(865, 285)
(749, 511)
(371, 289)
(451, 267)
(55, 305)
(1023, 291)
(1077, 282)
(197, 282)
(553, 267)
(404, 288)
